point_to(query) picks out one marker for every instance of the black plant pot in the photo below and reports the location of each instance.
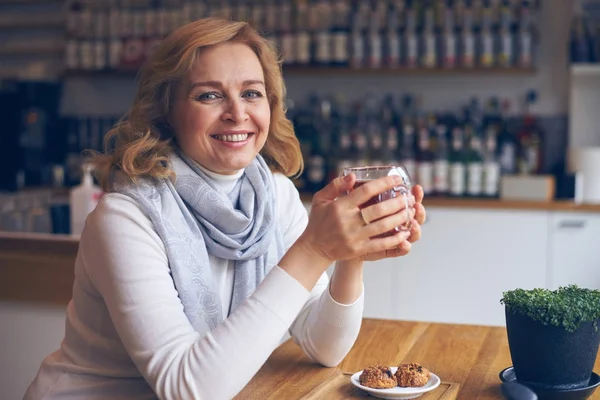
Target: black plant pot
(549, 357)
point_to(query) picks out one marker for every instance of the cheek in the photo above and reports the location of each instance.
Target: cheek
(189, 121)
(264, 117)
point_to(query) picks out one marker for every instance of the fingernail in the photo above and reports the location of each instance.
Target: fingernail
(347, 178)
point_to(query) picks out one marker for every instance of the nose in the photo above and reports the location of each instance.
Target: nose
(235, 111)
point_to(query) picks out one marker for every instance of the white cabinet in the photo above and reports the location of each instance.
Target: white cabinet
(465, 260)
(584, 95)
(377, 278)
(28, 333)
(573, 255)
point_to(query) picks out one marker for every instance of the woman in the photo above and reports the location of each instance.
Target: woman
(200, 259)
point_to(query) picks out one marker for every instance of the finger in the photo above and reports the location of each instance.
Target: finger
(404, 248)
(420, 213)
(373, 188)
(417, 191)
(337, 187)
(383, 243)
(389, 223)
(415, 232)
(387, 207)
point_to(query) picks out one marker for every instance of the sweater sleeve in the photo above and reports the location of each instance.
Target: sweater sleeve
(325, 329)
(127, 264)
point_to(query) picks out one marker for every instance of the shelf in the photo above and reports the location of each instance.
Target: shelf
(329, 71)
(342, 71)
(496, 204)
(28, 2)
(54, 20)
(585, 70)
(31, 48)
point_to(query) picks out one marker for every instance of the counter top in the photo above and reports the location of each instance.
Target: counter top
(556, 205)
(37, 268)
(467, 358)
(498, 204)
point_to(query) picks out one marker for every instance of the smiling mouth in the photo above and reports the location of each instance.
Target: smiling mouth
(237, 137)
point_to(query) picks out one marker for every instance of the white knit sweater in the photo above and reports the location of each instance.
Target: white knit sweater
(127, 336)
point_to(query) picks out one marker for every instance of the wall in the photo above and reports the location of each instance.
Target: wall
(109, 95)
(28, 333)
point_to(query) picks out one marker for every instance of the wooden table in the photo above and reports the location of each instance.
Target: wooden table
(467, 355)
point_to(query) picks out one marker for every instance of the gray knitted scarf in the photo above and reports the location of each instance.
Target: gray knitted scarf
(194, 219)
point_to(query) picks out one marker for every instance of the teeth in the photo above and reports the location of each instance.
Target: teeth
(232, 138)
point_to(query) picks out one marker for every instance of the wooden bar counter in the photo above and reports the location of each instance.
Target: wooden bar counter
(467, 359)
(39, 268)
(497, 204)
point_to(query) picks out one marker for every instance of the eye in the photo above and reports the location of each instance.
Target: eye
(253, 94)
(208, 96)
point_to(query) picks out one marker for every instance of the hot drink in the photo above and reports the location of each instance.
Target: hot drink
(366, 174)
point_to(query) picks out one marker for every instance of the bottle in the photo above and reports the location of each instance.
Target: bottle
(342, 147)
(411, 42)
(407, 150)
(486, 41)
(392, 42)
(506, 38)
(491, 153)
(341, 33)
(467, 47)
(507, 143)
(73, 31)
(286, 33)
(449, 42)
(530, 138)
(457, 162)
(115, 44)
(441, 166)
(525, 38)
(474, 163)
(82, 200)
(429, 45)
(100, 36)
(134, 48)
(425, 159)
(491, 167)
(302, 43)
(358, 137)
(86, 44)
(579, 37)
(374, 44)
(357, 41)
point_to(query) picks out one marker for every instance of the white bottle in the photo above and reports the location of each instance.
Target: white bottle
(82, 200)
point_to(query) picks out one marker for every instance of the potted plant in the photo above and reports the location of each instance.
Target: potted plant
(553, 335)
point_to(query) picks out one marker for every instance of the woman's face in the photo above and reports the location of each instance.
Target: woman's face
(221, 114)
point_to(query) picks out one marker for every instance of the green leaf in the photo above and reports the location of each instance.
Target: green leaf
(566, 307)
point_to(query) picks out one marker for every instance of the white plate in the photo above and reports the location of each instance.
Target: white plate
(398, 392)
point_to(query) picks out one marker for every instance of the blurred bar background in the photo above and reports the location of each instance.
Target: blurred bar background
(491, 104)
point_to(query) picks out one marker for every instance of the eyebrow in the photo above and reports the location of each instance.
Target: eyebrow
(220, 85)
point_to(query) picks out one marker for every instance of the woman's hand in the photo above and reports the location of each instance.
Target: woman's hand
(420, 215)
(339, 230)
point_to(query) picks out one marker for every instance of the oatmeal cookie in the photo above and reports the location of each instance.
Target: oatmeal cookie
(377, 377)
(412, 375)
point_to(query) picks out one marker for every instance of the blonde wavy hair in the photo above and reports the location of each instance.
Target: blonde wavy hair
(140, 143)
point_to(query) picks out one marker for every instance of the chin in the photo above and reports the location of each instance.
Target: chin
(231, 169)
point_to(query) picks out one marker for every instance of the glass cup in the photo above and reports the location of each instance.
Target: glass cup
(369, 173)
